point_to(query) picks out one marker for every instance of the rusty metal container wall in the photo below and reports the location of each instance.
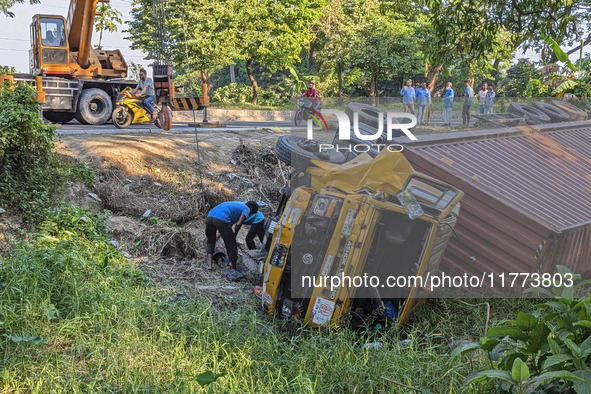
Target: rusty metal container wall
(493, 238)
(527, 198)
(577, 138)
(575, 249)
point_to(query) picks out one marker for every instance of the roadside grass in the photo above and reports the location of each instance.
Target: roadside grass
(77, 317)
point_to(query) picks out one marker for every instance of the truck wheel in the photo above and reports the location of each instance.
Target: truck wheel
(58, 117)
(299, 152)
(531, 114)
(94, 107)
(122, 118)
(555, 113)
(573, 112)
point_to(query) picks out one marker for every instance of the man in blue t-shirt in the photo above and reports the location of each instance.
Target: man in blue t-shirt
(468, 97)
(408, 97)
(257, 229)
(423, 100)
(448, 103)
(221, 218)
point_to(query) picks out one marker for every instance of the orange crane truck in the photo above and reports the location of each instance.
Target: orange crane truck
(74, 80)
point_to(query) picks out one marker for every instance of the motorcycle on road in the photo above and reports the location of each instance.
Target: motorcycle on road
(306, 108)
(130, 110)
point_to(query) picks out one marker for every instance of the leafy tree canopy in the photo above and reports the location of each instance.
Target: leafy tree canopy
(6, 5)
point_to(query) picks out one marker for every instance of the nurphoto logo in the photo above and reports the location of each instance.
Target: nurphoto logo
(345, 130)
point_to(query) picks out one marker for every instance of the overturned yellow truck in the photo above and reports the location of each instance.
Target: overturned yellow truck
(370, 219)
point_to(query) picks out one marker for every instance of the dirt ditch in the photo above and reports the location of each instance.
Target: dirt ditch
(155, 186)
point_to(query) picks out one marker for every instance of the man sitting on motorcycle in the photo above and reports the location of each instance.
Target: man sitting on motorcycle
(145, 86)
(312, 95)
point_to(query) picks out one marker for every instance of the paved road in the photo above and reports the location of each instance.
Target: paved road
(183, 127)
(177, 127)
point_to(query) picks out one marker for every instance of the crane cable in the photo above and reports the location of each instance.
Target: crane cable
(161, 50)
(162, 55)
(192, 91)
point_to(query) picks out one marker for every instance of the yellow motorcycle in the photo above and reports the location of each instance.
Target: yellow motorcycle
(130, 110)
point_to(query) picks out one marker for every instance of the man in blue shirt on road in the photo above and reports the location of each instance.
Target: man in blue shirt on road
(468, 97)
(221, 218)
(408, 97)
(423, 100)
(448, 104)
(489, 100)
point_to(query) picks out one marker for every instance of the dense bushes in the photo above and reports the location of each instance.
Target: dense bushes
(239, 93)
(29, 171)
(546, 351)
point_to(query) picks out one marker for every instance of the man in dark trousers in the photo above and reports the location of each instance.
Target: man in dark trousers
(221, 218)
(257, 229)
(468, 97)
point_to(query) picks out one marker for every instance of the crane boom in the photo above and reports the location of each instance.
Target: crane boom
(81, 23)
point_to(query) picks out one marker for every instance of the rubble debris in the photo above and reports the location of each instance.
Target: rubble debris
(232, 275)
(94, 196)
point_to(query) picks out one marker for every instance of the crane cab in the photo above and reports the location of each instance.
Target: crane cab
(62, 47)
(50, 52)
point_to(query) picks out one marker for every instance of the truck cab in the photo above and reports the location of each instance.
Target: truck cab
(352, 220)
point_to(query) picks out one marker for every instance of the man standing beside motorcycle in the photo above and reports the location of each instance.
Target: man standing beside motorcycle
(145, 87)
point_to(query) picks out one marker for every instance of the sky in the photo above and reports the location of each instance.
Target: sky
(14, 32)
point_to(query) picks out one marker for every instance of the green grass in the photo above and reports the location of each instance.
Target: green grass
(102, 325)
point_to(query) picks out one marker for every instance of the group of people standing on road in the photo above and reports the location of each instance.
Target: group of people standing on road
(422, 96)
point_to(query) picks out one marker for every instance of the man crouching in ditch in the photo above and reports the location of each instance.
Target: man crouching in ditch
(220, 219)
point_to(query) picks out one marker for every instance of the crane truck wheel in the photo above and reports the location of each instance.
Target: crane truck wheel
(94, 107)
(58, 117)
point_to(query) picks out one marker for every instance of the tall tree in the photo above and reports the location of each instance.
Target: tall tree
(385, 47)
(145, 30)
(335, 35)
(273, 33)
(107, 18)
(200, 35)
(205, 31)
(485, 32)
(463, 33)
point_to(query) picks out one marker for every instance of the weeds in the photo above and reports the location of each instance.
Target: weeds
(30, 173)
(76, 317)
